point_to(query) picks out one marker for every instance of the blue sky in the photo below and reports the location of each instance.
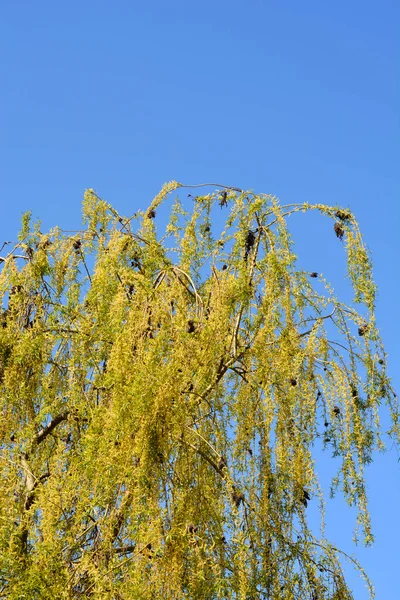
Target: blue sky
(296, 99)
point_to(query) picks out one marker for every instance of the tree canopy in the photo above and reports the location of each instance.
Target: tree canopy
(166, 396)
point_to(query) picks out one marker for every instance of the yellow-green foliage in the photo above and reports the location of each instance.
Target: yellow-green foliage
(165, 400)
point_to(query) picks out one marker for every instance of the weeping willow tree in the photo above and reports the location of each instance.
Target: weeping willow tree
(166, 397)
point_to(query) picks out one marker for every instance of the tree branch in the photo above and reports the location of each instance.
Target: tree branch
(43, 433)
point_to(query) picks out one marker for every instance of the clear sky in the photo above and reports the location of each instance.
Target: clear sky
(295, 98)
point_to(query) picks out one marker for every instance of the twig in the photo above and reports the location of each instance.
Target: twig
(2, 259)
(204, 440)
(196, 295)
(226, 187)
(205, 456)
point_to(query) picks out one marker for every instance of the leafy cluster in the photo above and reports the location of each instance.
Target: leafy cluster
(164, 401)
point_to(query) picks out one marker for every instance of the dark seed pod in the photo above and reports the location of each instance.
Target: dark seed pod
(249, 243)
(191, 528)
(305, 499)
(147, 551)
(293, 381)
(381, 361)
(223, 201)
(250, 239)
(314, 274)
(77, 244)
(237, 498)
(354, 390)
(151, 214)
(16, 289)
(191, 328)
(338, 230)
(135, 262)
(250, 451)
(362, 330)
(336, 410)
(326, 424)
(224, 267)
(343, 215)
(206, 228)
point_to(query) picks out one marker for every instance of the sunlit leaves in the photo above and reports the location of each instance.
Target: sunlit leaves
(166, 393)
